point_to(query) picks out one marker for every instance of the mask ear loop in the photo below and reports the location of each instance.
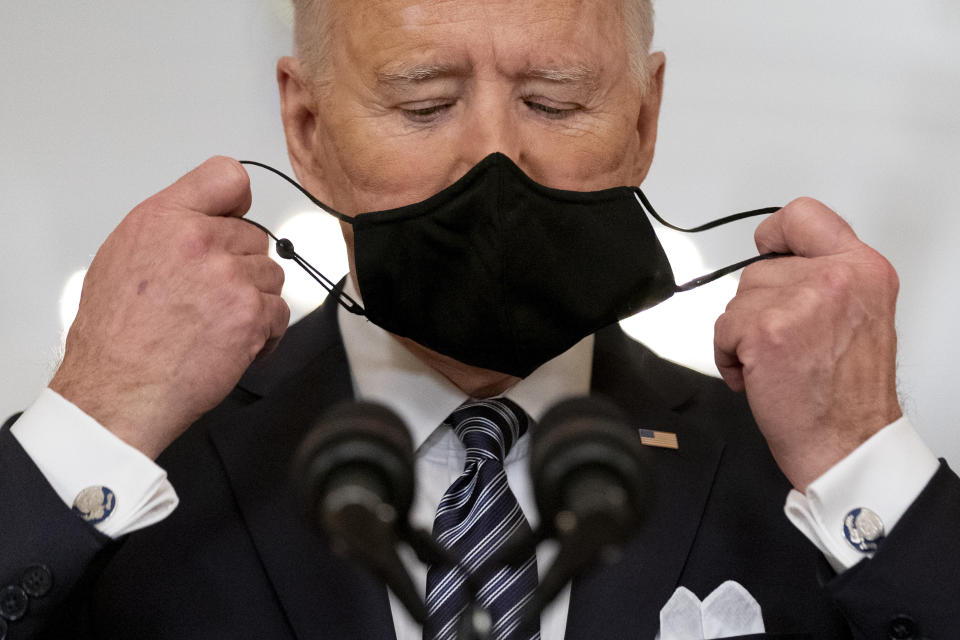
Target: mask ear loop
(286, 251)
(719, 273)
(296, 185)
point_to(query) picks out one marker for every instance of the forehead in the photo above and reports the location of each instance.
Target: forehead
(376, 35)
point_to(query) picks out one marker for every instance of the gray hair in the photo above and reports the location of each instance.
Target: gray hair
(311, 29)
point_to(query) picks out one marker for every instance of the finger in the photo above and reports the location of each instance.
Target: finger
(265, 274)
(756, 300)
(239, 237)
(744, 313)
(768, 324)
(823, 271)
(218, 187)
(730, 368)
(279, 317)
(726, 340)
(805, 227)
(773, 273)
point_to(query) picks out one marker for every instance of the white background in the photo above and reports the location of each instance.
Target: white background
(855, 103)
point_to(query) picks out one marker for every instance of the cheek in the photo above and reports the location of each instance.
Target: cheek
(583, 156)
(375, 168)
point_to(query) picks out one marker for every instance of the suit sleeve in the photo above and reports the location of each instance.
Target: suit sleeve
(47, 553)
(910, 588)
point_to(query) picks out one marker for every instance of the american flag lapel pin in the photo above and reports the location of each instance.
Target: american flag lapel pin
(663, 439)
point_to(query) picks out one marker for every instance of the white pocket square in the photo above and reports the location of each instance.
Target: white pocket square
(729, 611)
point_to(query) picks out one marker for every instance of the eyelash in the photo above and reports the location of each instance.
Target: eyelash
(552, 113)
(426, 115)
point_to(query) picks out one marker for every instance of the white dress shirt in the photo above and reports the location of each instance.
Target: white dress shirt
(384, 371)
(74, 452)
(885, 474)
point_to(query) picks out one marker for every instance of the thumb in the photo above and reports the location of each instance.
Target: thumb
(218, 187)
(805, 227)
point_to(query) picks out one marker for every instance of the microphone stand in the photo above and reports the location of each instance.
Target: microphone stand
(353, 478)
(376, 550)
(475, 622)
(587, 466)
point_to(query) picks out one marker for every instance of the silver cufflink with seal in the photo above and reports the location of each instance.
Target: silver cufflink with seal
(863, 529)
(95, 504)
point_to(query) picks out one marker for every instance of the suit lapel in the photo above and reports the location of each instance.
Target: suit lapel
(321, 594)
(624, 600)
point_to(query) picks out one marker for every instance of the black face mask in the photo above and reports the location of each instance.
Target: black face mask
(500, 272)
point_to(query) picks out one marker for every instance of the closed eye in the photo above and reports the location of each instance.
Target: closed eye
(554, 113)
(427, 114)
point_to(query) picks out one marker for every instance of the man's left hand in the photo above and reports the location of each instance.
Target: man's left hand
(811, 340)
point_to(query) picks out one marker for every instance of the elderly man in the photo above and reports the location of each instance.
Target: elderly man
(386, 104)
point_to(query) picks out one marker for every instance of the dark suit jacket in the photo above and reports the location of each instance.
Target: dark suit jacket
(233, 561)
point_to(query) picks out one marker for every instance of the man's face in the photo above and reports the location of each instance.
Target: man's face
(420, 91)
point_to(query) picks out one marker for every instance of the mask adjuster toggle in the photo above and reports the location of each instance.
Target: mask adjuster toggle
(285, 250)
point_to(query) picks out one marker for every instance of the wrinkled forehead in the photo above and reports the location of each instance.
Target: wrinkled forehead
(372, 36)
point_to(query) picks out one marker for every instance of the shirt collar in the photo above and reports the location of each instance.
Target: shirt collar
(384, 371)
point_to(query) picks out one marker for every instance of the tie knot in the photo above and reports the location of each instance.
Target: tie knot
(488, 428)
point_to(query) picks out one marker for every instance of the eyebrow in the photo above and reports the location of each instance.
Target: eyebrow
(563, 75)
(421, 73)
(576, 75)
(417, 74)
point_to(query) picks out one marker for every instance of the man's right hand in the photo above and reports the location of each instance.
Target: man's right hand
(176, 304)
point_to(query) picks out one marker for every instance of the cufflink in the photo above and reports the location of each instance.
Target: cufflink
(95, 504)
(863, 529)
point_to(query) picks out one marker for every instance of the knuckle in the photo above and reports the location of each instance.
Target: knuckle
(249, 309)
(258, 239)
(732, 304)
(137, 224)
(750, 275)
(226, 271)
(724, 329)
(773, 328)
(884, 273)
(279, 275)
(279, 321)
(142, 212)
(720, 324)
(838, 277)
(154, 205)
(194, 239)
(147, 218)
(806, 300)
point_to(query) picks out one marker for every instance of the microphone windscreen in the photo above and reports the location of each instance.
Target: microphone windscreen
(581, 407)
(360, 419)
(585, 434)
(353, 436)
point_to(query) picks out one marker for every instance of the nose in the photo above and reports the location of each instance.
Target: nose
(492, 125)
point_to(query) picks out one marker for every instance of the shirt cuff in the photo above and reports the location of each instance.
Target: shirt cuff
(75, 452)
(885, 475)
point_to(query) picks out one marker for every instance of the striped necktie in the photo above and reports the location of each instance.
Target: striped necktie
(476, 517)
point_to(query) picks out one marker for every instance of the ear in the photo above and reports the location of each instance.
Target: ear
(649, 116)
(298, 108)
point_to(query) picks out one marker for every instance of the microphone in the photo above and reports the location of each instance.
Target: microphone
(353, 479)
(587, 467)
